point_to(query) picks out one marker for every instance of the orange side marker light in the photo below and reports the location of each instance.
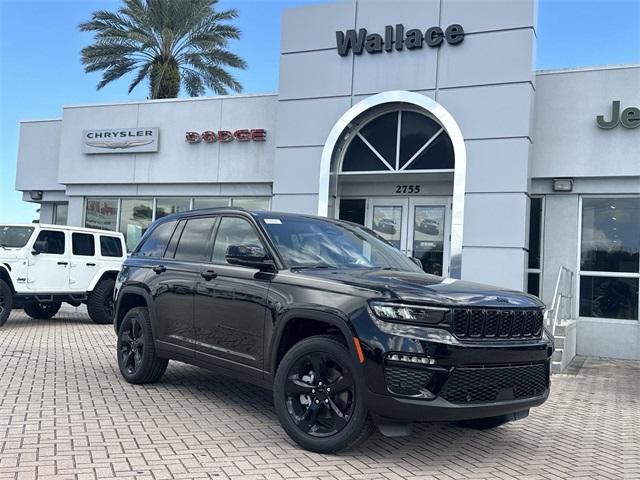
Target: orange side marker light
(356, 342)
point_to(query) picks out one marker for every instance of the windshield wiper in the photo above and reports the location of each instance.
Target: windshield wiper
(312, 267)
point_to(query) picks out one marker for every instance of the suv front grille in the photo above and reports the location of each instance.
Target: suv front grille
(491, 324)
(494, 384)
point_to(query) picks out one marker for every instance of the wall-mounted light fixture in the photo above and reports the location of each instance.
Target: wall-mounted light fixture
(563, 184)
(35, 194)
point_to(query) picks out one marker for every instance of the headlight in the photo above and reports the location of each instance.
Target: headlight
(402, 313)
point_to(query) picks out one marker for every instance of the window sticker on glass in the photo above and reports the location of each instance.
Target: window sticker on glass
(272, 221)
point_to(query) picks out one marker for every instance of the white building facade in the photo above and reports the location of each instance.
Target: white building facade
(426, 122)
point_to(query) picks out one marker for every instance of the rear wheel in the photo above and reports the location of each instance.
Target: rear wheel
(100, 303)
(42, 311)
(318, 396)
(6, 302)
(137, 357)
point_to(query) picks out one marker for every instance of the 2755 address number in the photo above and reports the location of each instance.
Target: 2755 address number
(408, 189)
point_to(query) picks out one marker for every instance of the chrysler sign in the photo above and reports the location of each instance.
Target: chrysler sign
(120, 140)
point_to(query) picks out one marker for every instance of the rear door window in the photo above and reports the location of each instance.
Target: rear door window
(110, 246)
(156, 243)
(195, 241)
(83, 244)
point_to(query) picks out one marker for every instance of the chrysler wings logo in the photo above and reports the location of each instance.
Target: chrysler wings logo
(122, 140)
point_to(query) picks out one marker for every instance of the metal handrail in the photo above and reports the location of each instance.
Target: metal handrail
(562, 302)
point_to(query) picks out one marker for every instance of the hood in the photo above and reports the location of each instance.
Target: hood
(423, 288)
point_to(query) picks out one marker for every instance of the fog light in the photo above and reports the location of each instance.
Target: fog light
(396, 357)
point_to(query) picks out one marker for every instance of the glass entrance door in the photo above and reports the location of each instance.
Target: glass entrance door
(417, 226)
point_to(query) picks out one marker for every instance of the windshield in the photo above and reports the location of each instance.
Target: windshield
(14, 237)
(317, 243)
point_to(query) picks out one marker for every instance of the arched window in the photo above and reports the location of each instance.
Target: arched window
(399, 141)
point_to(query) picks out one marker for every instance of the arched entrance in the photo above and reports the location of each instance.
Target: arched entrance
(396, 163)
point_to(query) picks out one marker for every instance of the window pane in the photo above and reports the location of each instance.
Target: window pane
(252, 203)
(428, 238)
(212, 202)
(360, 158)
(61, 210)
(353, 210)
(167, 206)
(194, 242)
(611, 234)
(437, 156)
(609, 297)
(535, 232)
(83, 244)
(135, 217)
(382, 133)
(52, 242)
(533, 284)
(156, 243)
(110, 247)
(387, 222)
(233, 231)
(102, 213)
(415, 130)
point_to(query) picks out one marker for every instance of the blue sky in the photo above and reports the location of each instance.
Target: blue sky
(40, 68)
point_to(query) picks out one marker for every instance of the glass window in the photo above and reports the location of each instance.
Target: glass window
(415, 131)
(83, 244)
(167, 206)
(353, 210)
(609, 297)
(14, 237)
(428, 238)
(101, 213)
(195, 240)
(252, 203)
(211, 202)
(387, 222)
(156, 243)
(60, 213)
(533, 284)
(233, 231)
(110, 246)
(535, 232)
(611, 235)
(51, 242)
(135, 218)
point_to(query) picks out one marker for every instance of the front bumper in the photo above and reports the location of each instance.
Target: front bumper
(460, 380)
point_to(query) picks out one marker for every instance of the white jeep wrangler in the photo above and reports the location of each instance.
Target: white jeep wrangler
(42, 266)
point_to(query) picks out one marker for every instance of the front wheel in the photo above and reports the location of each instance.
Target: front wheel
(42, 311)
(100, 302)
(318, 398)
(137, 357)
(6, 302)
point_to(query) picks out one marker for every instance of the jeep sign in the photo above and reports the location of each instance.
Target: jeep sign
(120, 140)
(629, 118)
(398, 39)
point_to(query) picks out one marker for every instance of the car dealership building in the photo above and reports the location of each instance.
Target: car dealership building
(426, 122)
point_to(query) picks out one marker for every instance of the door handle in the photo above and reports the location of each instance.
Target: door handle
(208, 275)
(90, 264)
(159, 269)
(63, 263)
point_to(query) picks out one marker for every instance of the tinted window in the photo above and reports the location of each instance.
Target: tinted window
(156, 243)
(535, 232)
(194, 242)
(15, 237)
(83, 244)
(110, 246)
(233, 231)
(353, 209)
(52, 242)
(609, 297)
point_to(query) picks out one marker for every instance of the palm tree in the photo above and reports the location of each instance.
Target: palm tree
(168, 42)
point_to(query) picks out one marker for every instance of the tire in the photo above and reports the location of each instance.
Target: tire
(6, 302)
(484, 423)
(100, 303)
(298, 389)
(137, 357)
(42, 311)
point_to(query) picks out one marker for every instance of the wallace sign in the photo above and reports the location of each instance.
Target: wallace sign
(396, 38)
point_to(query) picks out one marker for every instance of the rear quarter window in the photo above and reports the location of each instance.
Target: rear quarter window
(110, 246)
(83, 244)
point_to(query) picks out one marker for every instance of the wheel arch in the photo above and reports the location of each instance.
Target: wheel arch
(6, 277)
(132, 297)
(103, 274)
(298, 324)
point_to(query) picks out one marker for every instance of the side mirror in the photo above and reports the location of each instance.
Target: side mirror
(417, 261)
(39, 247)
(252, 256)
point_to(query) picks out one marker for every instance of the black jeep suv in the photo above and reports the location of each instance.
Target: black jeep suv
(347, 331)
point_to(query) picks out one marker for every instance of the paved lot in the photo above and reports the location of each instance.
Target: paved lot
(65, 412)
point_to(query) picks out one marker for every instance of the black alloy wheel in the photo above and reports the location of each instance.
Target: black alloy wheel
(316, 394)
(320, 394)
(137, 357)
